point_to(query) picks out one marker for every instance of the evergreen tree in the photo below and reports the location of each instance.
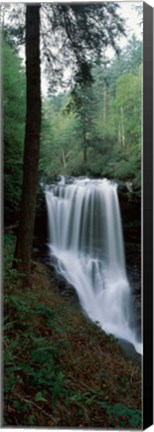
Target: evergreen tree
(80, 32)
(32, 144)
(13, 130)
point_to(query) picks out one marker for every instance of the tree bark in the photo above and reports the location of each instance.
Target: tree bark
(85, 152)
(84, 140)
(122, 127)
(32, 144)
(63, 158)
(104, 104)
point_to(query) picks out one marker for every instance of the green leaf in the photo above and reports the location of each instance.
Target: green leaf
(135, 421)
(39, 397)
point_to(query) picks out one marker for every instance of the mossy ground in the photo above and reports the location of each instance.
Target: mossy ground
(60, 369)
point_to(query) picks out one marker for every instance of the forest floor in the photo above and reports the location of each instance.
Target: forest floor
(60, 369)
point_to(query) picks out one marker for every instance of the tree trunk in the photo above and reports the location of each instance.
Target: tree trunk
(63, 158)
(32, 143)
(84, 140)
(122, 127)
(85, 153)
(104, 104)
(119, 134)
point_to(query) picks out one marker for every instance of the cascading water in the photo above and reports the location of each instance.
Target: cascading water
(85, 236)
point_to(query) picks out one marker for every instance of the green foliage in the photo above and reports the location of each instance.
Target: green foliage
(127, 61)
(13, 130)
(127, 416)
(54, 363)
(96, 129)
(58, 139)
(74, 36)
(34, 362)
(9, 245)
(30, 360)
(11, 275)
(39, 397)
(81, 38)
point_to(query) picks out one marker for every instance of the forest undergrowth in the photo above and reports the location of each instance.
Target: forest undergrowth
(60, 369)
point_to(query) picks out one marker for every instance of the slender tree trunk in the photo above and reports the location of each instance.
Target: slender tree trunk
(104, 104)
(63, 158)
(85, 152)
(119, 134)
(84, 140)
(32, 143)
(122, 127)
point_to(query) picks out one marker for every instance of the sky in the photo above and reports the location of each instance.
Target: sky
(128, 12)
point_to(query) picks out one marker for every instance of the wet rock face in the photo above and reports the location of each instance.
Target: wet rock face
(129, 350)
(64, 288)
(130, 207)
(41, 221)
(68, 179)
(133, 266)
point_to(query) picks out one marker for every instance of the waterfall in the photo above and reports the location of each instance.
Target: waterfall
(85, 237)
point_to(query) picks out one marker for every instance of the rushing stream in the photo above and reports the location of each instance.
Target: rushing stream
(85, 236)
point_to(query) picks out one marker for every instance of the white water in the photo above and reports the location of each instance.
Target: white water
(85, 236)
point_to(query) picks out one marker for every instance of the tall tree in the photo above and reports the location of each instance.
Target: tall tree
(13, 131)
(32, 143)
(79, 31)
(81, 103)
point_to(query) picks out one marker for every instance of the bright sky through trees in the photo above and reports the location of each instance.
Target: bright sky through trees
(128, 11)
